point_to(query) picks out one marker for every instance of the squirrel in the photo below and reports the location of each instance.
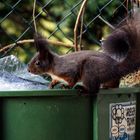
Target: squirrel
(120, 56)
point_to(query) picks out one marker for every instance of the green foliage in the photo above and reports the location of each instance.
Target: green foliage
(55, 20)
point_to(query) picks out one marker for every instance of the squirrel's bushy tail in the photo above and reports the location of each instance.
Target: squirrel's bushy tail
(124, 42)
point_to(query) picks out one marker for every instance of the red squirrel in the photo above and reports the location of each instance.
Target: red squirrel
(120, 56)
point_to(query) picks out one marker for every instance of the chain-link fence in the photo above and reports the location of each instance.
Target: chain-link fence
(55, 19)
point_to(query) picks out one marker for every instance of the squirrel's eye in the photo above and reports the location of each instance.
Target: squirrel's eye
(37, 63)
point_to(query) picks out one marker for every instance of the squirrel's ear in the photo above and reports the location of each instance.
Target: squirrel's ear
(41, 44)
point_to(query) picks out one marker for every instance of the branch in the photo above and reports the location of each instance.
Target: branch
(77, 24)
(81, 29)
(34, 6)
(57, 43)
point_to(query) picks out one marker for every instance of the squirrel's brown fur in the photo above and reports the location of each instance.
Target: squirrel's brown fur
(121, 56)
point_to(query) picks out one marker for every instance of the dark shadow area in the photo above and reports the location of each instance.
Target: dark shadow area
(137, 118)
(1, 120)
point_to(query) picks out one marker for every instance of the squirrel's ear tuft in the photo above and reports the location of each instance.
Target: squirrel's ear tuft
(41, 43)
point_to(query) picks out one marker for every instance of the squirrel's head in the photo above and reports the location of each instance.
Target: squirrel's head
(41, 63)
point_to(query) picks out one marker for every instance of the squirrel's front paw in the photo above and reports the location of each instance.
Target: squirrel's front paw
(57, 84)
(50, 86)
(53, 83)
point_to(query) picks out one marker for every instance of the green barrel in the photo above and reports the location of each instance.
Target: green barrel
(114, 114)
(138, 117)
(45, 115)
(66, 115)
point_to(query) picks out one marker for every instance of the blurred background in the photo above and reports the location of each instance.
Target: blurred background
(55, 20)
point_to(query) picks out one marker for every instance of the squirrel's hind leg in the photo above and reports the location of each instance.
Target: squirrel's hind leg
(90, 82)
(91, 86)
(90, 78)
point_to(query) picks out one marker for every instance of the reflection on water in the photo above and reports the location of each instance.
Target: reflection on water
(11, 82)
(14, 76)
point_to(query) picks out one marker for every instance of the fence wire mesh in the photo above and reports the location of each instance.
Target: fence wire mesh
(55, 19)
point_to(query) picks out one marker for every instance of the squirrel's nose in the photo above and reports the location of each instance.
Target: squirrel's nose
(28, 69)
